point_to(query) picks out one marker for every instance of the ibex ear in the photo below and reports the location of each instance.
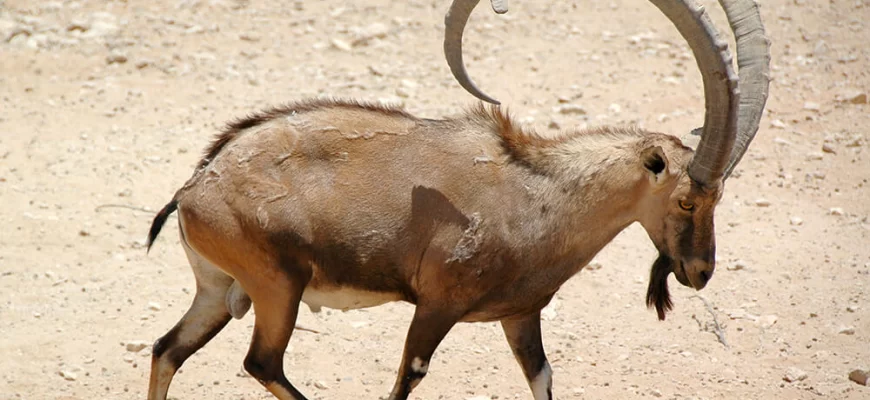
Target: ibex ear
(656, 163)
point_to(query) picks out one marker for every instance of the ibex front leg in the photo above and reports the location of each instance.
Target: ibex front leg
(428, 328)
(524, 336)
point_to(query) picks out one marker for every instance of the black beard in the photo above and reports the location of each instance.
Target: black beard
(657, 293)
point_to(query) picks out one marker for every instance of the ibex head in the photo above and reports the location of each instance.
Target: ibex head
(679, 219)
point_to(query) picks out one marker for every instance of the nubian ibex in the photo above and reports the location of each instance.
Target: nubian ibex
(348, 205)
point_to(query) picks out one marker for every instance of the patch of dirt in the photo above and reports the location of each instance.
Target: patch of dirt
(106, 105)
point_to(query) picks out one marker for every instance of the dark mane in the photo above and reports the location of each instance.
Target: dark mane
(233, 128)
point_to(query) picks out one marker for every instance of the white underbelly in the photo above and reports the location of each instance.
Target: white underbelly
(345, 298)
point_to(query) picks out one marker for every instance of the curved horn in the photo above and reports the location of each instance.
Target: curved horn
(454, 23)
(753, 62)
(720, 87)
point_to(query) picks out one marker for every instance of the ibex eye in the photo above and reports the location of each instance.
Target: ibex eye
(685, 205)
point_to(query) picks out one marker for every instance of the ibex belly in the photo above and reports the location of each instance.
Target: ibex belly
(345, 298)
(323, 292)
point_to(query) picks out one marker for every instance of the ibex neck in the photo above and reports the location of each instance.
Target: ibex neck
(597, 184)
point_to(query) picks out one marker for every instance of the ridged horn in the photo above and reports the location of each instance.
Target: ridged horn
(753, 63)
(721, 96)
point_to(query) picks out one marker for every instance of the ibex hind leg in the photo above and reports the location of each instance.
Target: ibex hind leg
(276, 305)
(206, 317)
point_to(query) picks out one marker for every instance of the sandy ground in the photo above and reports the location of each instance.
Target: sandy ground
(106, 105)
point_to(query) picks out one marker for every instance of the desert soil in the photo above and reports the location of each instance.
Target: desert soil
(106, 105)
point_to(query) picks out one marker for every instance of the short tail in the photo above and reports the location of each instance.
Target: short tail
(160, 220)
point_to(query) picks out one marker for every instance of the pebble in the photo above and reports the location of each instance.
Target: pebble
(836, 211)
(593, 266)
(614, 108)
(811, 106)
(847, 330)
(153, 306)
(796, 221)
(854, 97)
(736, 266)
(341, 45)
(778, 124)
(68, 375)
(852, 308)
(321, 385)
(826, 148)
(478, 398)
(794, 375)
(655, 393)
(861, 377)
(570, 109)
(135, 346)
(766, 321)
(815, 156)
(116, 58)
(762, 203)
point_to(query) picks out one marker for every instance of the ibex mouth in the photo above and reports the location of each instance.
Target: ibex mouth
(680, 274)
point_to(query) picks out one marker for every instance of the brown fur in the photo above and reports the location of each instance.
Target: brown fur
(234, 128)
(347, 205)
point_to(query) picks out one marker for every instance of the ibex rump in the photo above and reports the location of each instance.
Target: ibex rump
(349, 205)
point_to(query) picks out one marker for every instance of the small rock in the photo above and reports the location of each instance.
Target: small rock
(815, 156)
(249, 37)
(861, 377)
(655, 393)
(826, 148)
(376, 30)
(478, 398)
(341, 45)
(847, 330)
(116, 58)
(737, 266)
(781, 141)
(595, 265)
(766, 321)
(135, 346)
(836, 211)
(796, 221)
(778, 124)
(811, 106)
(154, 306)
(852, 308)
(321, 385)
(570, 109)
(614, 108)
(68, 375)
(762, 203)
(794, 375)
(854, 97)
